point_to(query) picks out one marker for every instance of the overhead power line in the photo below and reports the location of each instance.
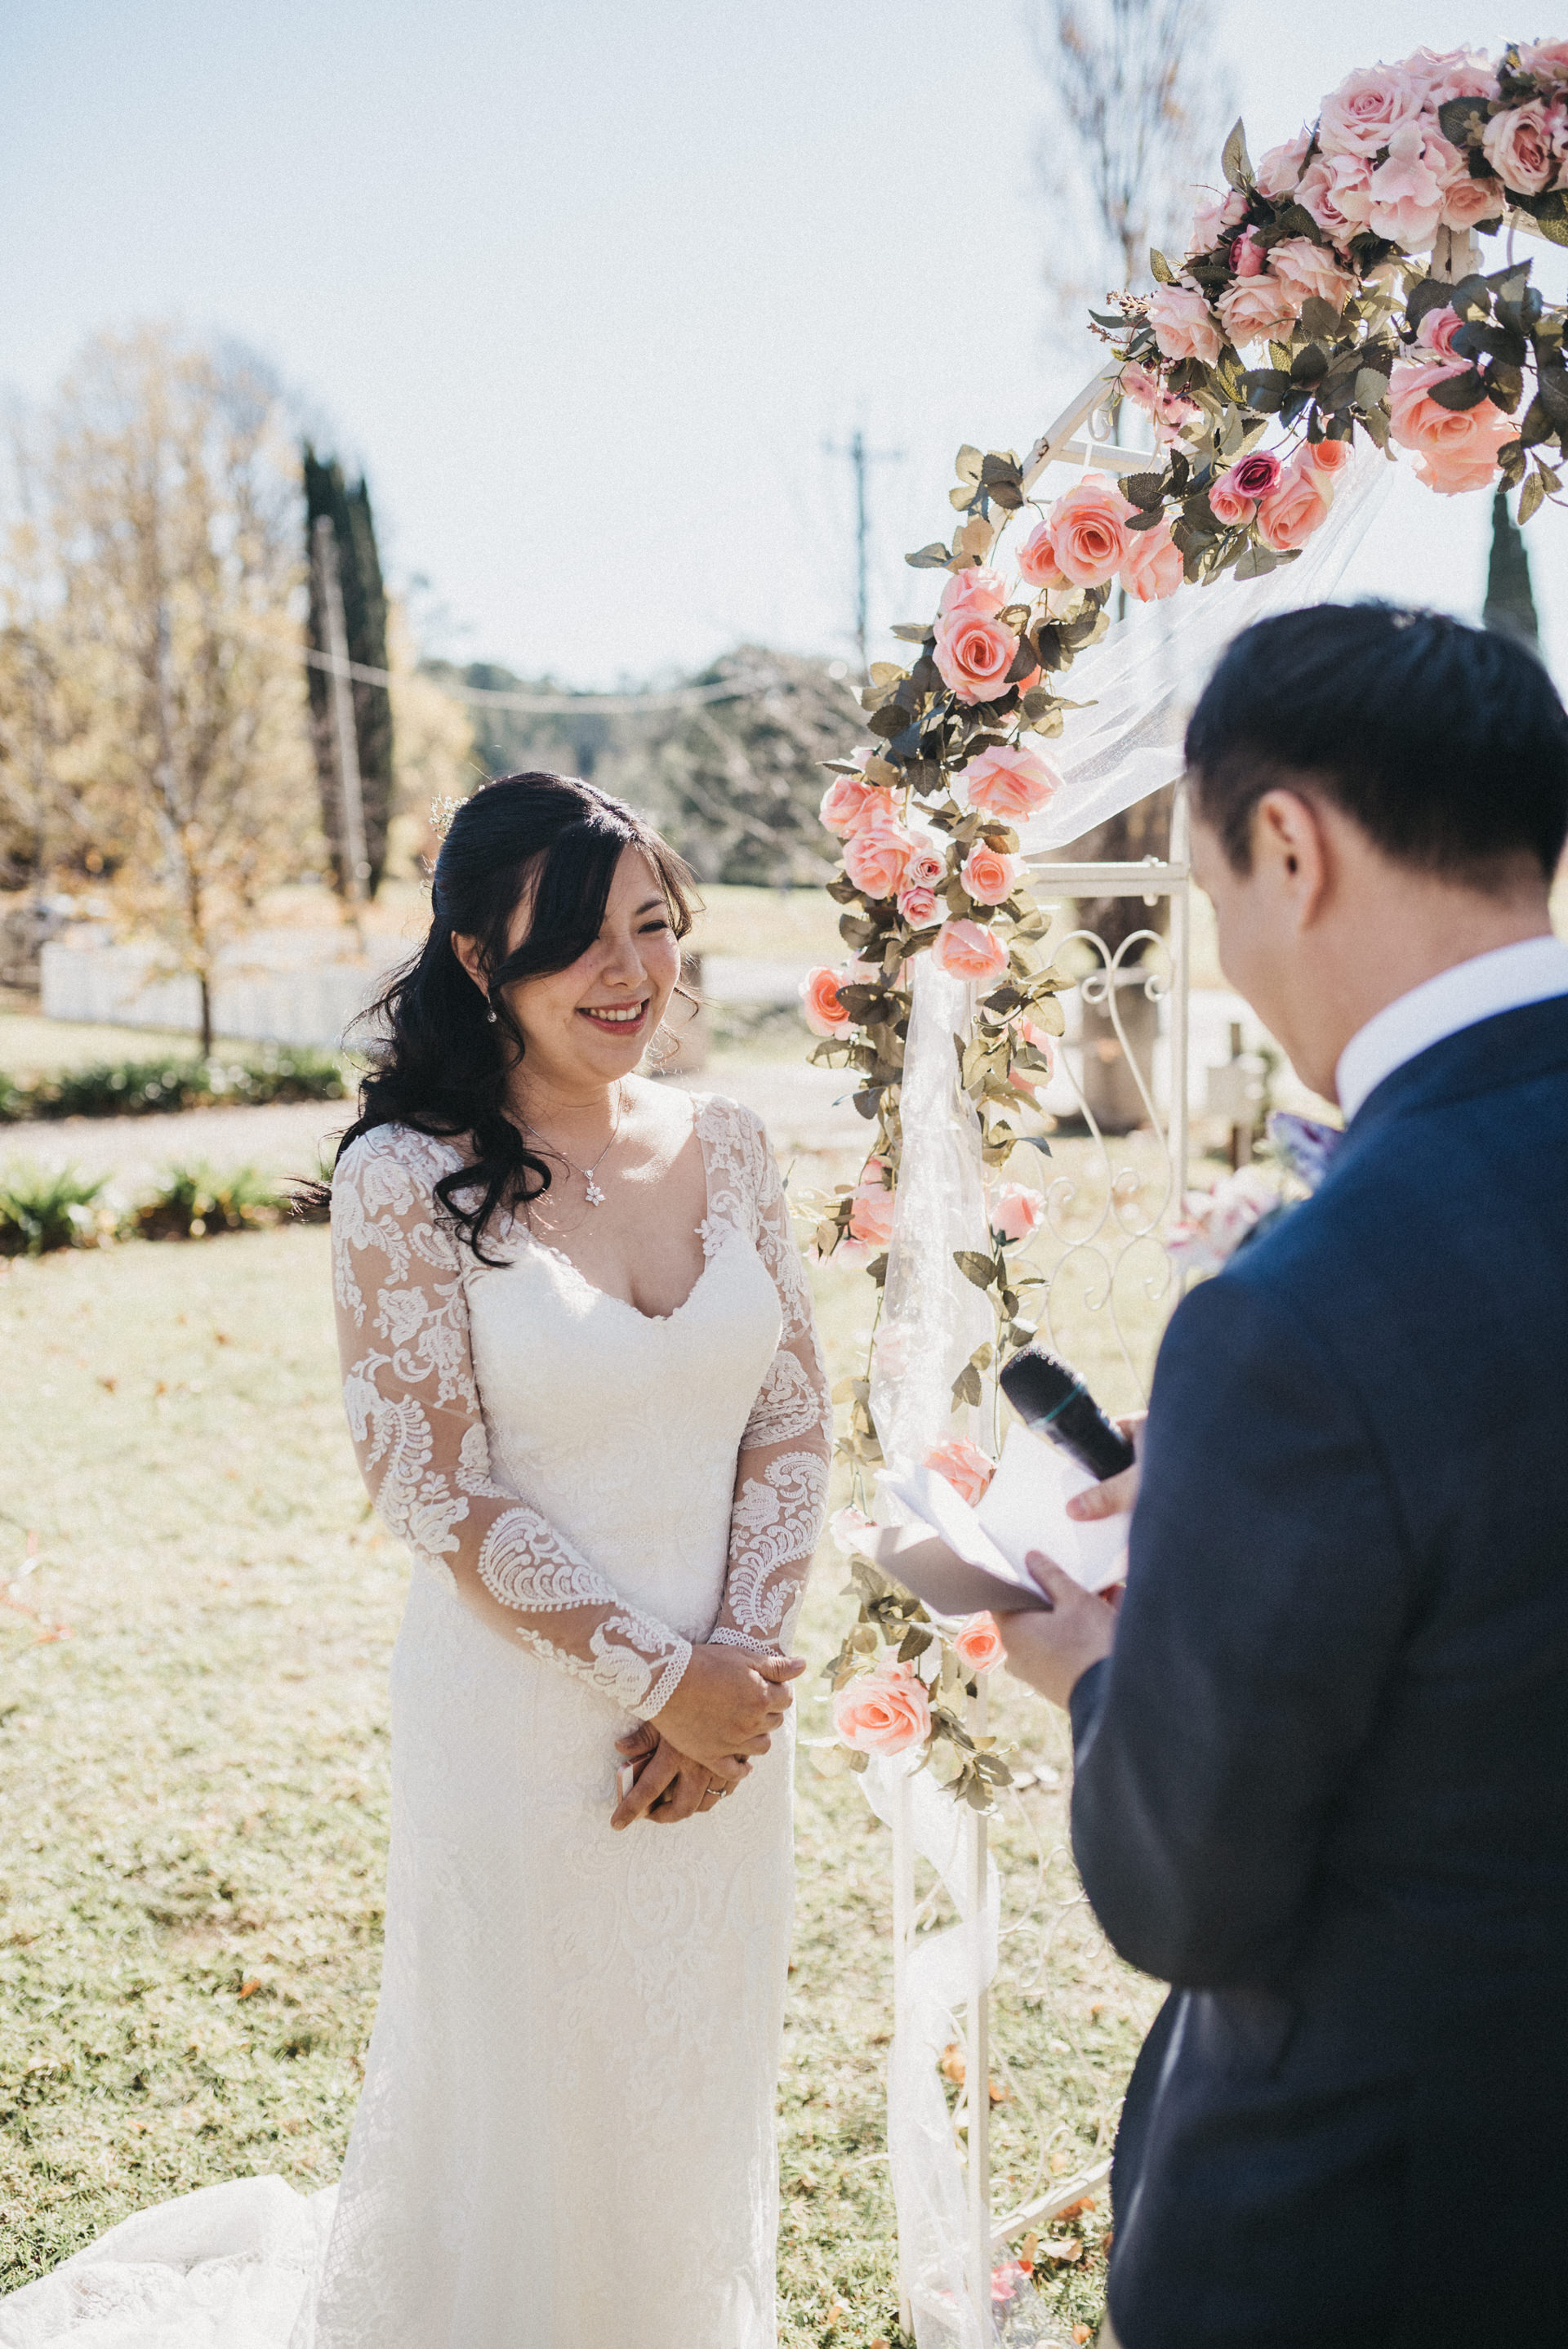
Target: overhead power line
(565, 705)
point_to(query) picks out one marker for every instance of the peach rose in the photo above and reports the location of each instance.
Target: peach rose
(1369, 106)
(1227, 504)
(1333, 190)
(1184, 325)
(979, 1646)
(989, 875)
(871, 1207)
(1247, 256)
(967, 950)
(1011, 784)
(1040, 1038)
(1282, 166)
(1212, 219)
(965, 1466)
(876, 855)
(1089, 530)
(1518, 145)
(1290, 514)
(848, 801)
(1328, 456)
(823, 1012)
(884, 1710)
(1456, 447)
(1015, 1211)
(848, 1529)
(1307, 269)
(1153, 568)
(978, 594)
(917, 908)
(1437, 331)
(1038, 559)
(1467, 203)
(1405, 194)
(1256, 307)
(973, 655)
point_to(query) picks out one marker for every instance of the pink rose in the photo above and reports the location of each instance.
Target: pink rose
(1309, 269)
(1437, 329)
(1327, 456)
(1545, 60)
(969, 951)
(1040, 1038)
(1015, 1211)
(1290, 514)
(965, 1466)
(1247, 256)
(1456, 447)
(1467, 203)
(1253, 477)
(871, 1207)
(1089, 530)
(823, 1012)
(1171, 414)
(1333, 190)
(1369, 106)
(1227, 504)
(847, 802)
(876, 855)
(884, 1710)
(1404, 195)
(973, 657)
(927, 867)
(849, 1530)
(1011, 784)
(1519, 147)
(978, 594)
(1216, 1222)
(1212, 219)
(1282, 166)
(1184, 325)
(989, 875)
(1254, 308)
(979, 1646)
(1459, 73)
(917, 908)
(1153, 568)
(1038, 559)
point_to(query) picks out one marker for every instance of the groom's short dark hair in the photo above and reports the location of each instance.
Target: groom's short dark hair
(1447, 744)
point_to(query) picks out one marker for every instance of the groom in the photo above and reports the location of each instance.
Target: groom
(1322, 1752)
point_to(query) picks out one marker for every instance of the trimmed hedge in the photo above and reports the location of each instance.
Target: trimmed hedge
(146, 1088)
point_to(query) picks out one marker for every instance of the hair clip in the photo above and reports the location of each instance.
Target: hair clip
(442, 810)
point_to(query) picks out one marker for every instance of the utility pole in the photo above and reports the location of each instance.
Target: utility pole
(861, 458)
(329, 588)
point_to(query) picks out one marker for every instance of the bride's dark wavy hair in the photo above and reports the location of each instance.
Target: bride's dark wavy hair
(439, 1064)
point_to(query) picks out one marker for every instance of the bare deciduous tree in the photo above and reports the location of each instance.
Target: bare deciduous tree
(169, 526)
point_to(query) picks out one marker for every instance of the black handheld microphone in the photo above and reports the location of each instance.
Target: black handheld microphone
(1054, 1402)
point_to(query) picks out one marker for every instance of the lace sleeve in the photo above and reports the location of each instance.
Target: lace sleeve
(419, 1435)
(781, 1474)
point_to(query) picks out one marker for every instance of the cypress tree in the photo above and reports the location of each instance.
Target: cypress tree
(347, 506)
(1509, 606)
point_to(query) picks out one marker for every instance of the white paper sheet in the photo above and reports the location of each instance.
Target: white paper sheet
(1024, 1509)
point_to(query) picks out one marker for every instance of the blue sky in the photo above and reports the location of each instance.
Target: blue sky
(586, 285)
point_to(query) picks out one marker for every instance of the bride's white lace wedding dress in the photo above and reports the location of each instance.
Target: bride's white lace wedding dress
(565, 2140)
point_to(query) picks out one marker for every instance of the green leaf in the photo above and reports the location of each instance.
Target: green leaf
(1145, 490)
(969, 463)
(933, 557)
(1145, 521)
(1162, 273)
(1530, 497)
(1463, 119)
(974, 1266)
(1553, 388)
(1318, 317)
(966, 1388)
(1265, 389)
(1458, 392)
(1371, 387)
(1235, 161)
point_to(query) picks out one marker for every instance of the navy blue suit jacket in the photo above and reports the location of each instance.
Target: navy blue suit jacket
(1322, 1784)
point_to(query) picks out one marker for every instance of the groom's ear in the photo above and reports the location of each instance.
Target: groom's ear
(1292, 852)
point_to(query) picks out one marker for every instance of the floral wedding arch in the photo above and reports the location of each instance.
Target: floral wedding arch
(1330, 311)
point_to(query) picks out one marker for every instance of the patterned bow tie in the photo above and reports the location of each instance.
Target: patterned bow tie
(1304, 1144)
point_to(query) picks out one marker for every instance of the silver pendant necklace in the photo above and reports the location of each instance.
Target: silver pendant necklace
(596, 1195)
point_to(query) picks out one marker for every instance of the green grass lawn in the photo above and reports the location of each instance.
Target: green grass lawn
(194, 1789)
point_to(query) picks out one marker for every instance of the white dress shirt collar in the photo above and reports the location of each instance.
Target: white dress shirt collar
(1528, 972)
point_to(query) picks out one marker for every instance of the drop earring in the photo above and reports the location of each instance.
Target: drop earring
(489, 1016)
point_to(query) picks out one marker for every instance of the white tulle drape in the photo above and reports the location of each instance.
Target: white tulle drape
(1142, 681)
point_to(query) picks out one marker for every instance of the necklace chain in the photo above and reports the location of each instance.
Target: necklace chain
(596, 1195)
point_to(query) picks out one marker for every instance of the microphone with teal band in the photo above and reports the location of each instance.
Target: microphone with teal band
(1052, 1401)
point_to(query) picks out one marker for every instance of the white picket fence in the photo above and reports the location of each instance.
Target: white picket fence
(280, 988)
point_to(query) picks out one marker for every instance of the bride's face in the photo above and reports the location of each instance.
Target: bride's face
(592, 1022)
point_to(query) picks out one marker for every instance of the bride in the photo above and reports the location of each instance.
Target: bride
(584, 1386)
